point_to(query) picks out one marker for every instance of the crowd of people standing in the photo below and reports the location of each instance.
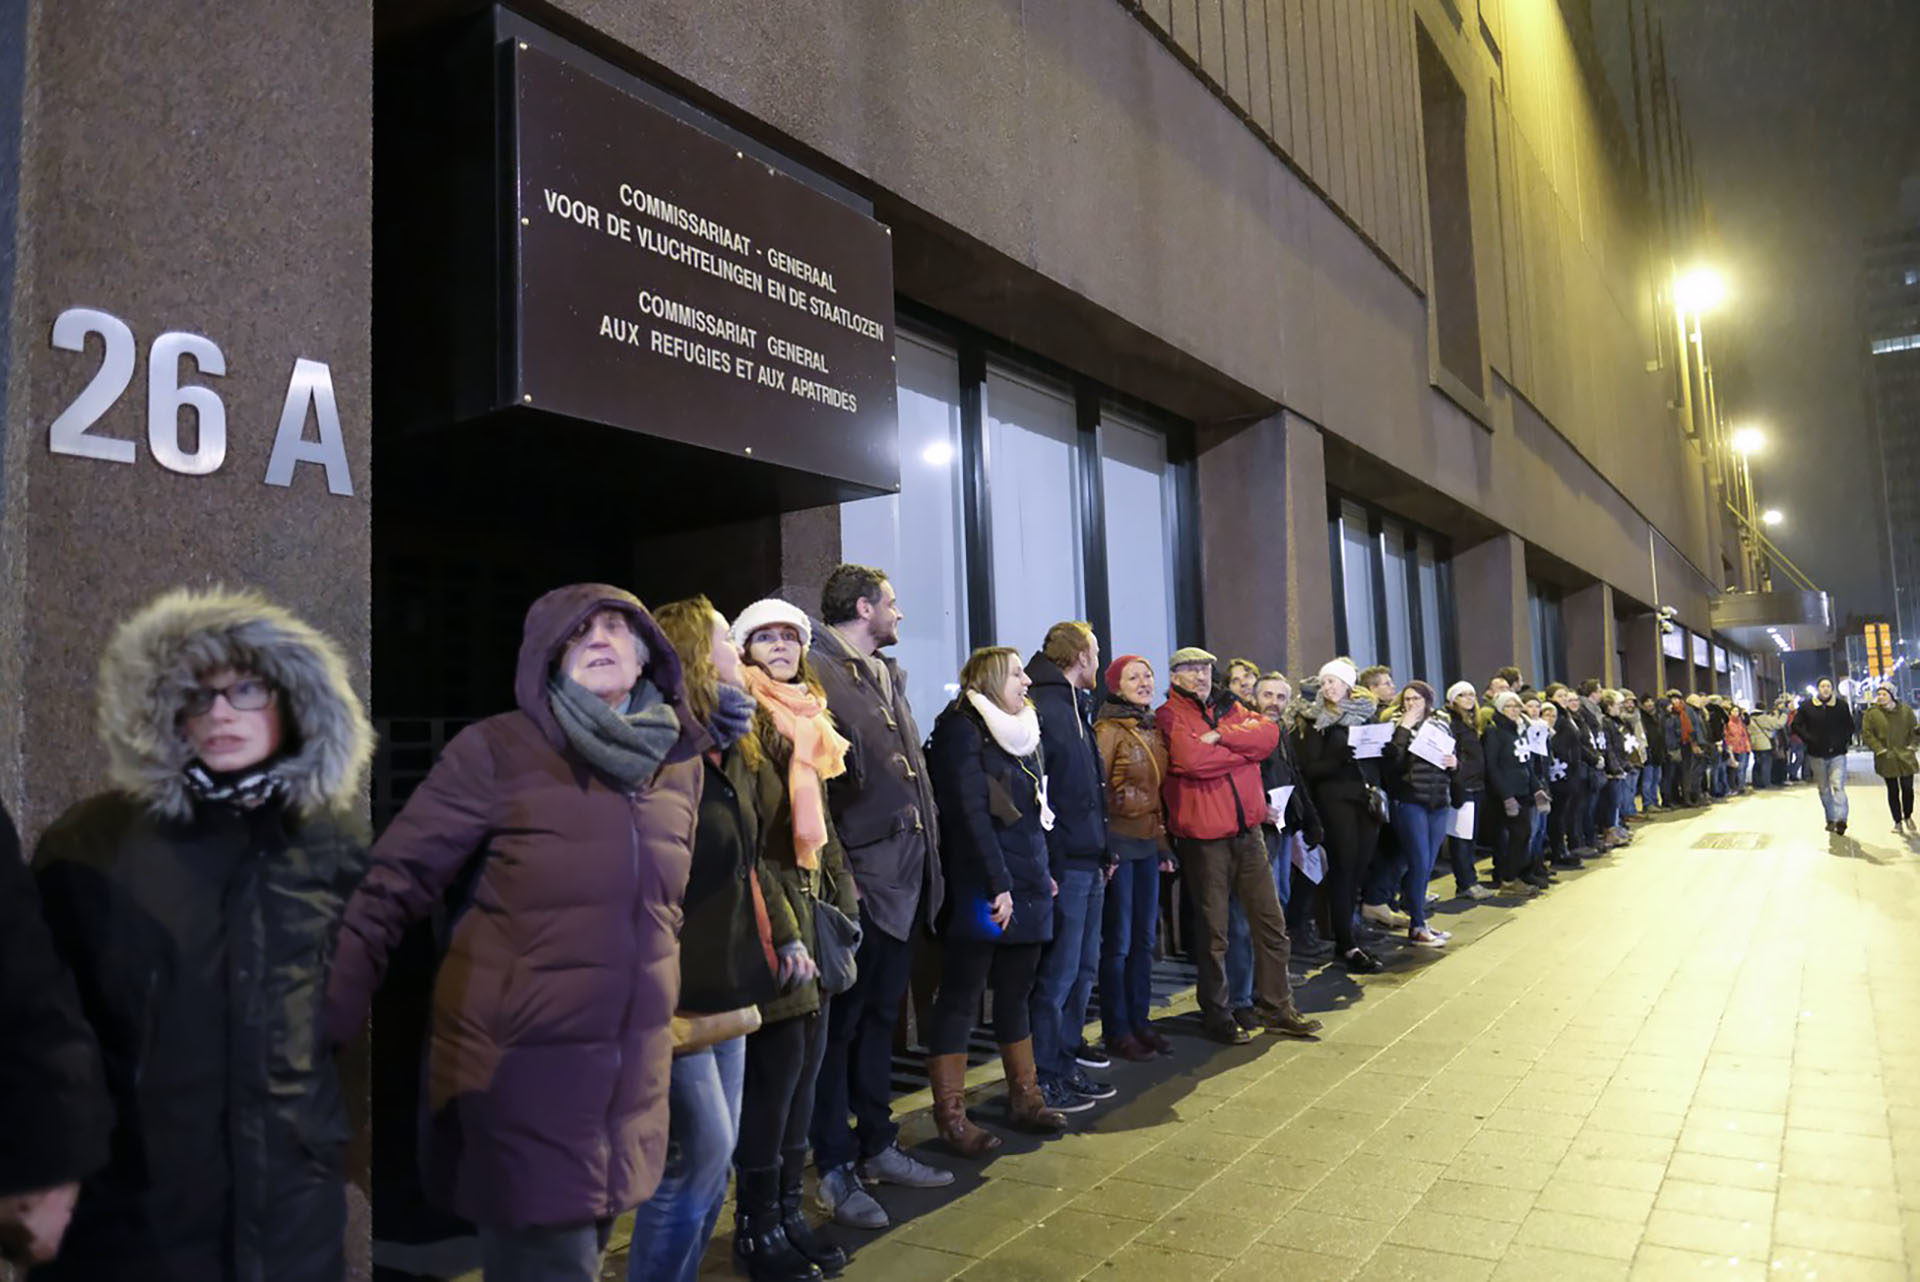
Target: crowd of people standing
(678, 891)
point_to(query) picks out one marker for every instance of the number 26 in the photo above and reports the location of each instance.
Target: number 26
(71, 431)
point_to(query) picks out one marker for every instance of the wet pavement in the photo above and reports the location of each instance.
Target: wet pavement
(1698, 1057)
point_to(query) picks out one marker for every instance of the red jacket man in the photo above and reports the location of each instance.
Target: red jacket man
(1213, 787)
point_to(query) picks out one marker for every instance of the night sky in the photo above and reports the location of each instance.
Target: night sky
(1805, 116)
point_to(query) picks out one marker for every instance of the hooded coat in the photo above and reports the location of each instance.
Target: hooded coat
(1892, 736)
(548, 1046)
(199, 935)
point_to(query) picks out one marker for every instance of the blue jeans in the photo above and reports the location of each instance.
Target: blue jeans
(1422, 831)
(1537, 845)
(1830, 777)
(1740, 771)
(1649, 787)
(1762, 768)
(1058, 1007)
(671, 1228)
(1239, 938)
(1126, 954)
(1717, 773)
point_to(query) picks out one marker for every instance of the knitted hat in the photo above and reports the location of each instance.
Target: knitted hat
(768, 611)
(1189, 654)
(1119, 667)
(1504, 700)
(1340, 670)
(1459, 688)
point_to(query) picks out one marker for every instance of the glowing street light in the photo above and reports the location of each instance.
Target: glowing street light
(1772, 516)
(1747, 440)
(1699, 290)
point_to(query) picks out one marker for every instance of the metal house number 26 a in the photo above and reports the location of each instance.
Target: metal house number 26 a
(310, 388)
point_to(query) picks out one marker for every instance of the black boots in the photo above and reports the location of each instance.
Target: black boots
(760, 1245)
(793, 1220)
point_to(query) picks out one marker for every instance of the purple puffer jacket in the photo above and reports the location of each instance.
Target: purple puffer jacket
(549, 1049)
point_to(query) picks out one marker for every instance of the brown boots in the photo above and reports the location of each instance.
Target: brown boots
(1024, 1100)
(948, 1075)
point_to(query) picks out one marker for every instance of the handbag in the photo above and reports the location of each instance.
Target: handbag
(1377, 803)
(693, 1033)
(836, 941)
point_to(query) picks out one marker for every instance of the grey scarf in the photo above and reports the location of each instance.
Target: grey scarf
(1354, 710)
(627, 748)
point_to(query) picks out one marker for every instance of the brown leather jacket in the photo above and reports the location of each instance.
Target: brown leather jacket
(1135, 762)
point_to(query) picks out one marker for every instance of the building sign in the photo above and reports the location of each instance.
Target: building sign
(1879, 650)
(668, 284)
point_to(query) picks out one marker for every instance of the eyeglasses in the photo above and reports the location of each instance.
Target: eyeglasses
(248, 694)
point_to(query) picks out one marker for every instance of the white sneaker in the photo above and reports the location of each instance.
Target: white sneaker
(1477, 891)
(1427, 938)
(1382, 915)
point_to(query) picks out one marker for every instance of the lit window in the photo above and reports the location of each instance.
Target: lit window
(1913, 275)
(1899, 343)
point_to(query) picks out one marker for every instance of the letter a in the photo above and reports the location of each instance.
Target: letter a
(311, 384)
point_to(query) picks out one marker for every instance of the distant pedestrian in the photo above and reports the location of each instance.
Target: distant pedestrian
(1889, 730)
(1825, 724)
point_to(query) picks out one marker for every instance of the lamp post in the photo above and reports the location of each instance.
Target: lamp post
(1745, 442)
(1697, 291)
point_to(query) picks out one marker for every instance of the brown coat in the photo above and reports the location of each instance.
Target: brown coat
(1134, 759)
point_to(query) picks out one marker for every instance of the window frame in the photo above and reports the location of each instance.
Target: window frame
(1411, 532)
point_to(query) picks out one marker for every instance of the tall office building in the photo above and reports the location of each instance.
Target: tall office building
(1890, 289)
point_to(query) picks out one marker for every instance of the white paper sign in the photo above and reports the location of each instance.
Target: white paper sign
(1463, 822)
(1537, 734)
(1633, 743)
(1277, 803)
(1431, 743)
(1367, 741)
(1310, 860)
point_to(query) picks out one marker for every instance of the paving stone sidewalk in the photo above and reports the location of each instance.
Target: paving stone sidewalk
(1698, 1058)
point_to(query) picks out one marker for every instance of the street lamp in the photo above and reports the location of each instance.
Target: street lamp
(1700, 289)
(1747, 440)
(1771, 516)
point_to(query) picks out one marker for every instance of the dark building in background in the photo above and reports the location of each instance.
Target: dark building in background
(1890, 302)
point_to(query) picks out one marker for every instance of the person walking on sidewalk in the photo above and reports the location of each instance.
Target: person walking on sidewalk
(1063, 674)
(1134, 761)
(989, 779)
(883, 809)
(1888, 729)
(1825, 724)
(1215, 806)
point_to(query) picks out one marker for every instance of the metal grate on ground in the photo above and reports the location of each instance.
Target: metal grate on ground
(1734, 841)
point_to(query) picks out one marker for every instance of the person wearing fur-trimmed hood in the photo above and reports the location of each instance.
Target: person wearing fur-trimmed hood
(197, 904)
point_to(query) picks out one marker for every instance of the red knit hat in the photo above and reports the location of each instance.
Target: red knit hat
(1119, 666)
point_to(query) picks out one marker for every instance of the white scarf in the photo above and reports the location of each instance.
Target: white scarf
(1019, 735)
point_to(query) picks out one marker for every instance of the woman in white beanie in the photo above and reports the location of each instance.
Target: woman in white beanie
(1463, 717)
(1343, 789)
(802, 866)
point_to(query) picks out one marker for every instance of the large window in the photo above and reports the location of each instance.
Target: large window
(1034, 498)
(1134, 475)
(1019, 488)
(1393, 592)
(916, 536)
(1549, 634)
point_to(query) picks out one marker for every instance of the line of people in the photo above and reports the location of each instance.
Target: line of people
(678, 891)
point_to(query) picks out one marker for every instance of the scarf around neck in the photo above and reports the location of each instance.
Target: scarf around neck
(819, 754)
(732, 716)
(626, 747)
(1017, 735)
(238, 790)
(1114, 708)
(1354, 710)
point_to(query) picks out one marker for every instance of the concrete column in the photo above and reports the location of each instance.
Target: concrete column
(809, 551)
(178, 168)
(1490, 600)
(1591, 638)
(1267, 580)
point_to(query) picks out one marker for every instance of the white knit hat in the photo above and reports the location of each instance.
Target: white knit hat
(1459, 688)
(1502, 700)
(1341, 670)
(768, 611)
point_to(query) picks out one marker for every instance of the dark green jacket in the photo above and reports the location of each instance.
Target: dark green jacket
(1891, 733)
(790, 890)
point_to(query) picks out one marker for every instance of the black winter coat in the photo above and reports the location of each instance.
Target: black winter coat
(1415, 780)
(990, 834)
(1472, 770)
(1826, 729)
(1076, 783)
(1509, 765)
(55, 1116)
(1570, 750)
(1614, 754)
(201, 949)
(1302, 816)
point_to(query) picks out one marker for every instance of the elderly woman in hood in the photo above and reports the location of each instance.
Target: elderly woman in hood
(197, 904)
(568, 823)
(1343, 787)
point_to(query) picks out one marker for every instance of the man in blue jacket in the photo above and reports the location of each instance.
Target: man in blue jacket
(1063, 673)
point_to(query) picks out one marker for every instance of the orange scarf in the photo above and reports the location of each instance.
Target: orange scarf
(819, 754)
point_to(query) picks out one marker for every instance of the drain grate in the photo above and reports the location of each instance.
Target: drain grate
(1734, 841)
